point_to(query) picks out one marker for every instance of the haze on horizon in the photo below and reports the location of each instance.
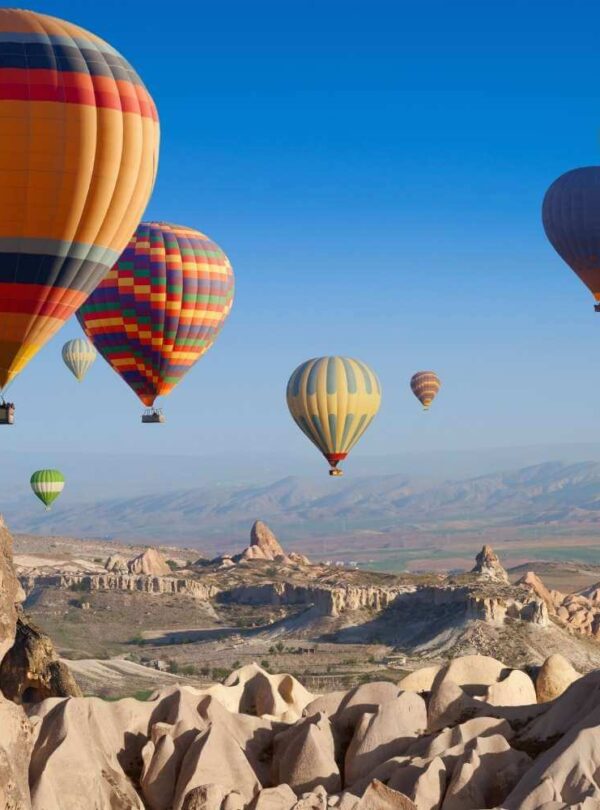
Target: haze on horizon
(376, 181)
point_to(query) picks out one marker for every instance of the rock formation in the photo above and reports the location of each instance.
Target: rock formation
(31, 671)
(265, 546)
(116, 564)
(554, 677)
(121, 582)
(16, 744)
(551, 598)
(328, 600)
(16, 735)
(465, 602)
(10, 590)
(150, 563)
(261, 537)
(488, 565)
(262, 742)
(579, 612)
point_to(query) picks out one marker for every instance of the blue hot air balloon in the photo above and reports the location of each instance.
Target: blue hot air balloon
(571, 218)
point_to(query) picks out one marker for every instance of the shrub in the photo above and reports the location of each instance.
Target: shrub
(219, 673)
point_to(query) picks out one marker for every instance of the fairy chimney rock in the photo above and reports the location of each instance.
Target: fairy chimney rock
(488, 565)
(262, 537)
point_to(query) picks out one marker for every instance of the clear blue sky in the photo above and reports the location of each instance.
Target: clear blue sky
(375, 171)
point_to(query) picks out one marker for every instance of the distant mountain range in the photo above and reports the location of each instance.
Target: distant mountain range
(219, 516)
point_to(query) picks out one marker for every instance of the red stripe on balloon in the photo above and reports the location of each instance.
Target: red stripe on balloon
(75, 88)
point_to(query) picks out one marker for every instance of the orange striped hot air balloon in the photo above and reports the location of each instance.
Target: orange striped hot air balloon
(79, 141)
(425, 385)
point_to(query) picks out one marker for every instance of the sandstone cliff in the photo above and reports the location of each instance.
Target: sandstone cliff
(16, 737)
(121, 582)
(332, 600)
(329, 600)
(10, 590)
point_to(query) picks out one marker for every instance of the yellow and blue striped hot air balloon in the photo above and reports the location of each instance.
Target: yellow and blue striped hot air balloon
(333, 400)
(79, 354)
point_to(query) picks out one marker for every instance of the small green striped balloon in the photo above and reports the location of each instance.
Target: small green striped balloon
(47, 485)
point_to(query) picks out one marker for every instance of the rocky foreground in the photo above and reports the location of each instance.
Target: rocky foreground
(472, 734)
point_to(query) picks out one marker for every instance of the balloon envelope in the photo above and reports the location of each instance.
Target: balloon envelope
(333, 401)
(79, 149)
(47, 485)
(571, 219)
(161, 307)
(78, 354)
(425, 385)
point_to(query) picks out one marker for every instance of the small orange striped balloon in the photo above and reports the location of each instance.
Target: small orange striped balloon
(425, 385)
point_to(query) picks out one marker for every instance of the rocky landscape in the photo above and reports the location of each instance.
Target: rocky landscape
(476, 731)
(471, 733)
(128, 620)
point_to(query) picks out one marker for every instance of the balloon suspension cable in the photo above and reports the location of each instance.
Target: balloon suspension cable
(4, 390)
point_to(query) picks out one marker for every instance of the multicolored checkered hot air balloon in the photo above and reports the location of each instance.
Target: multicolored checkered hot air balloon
(47, 485)
(333, 400)
(571, 219)
(425, 385)
(160, 308)
(78, 155)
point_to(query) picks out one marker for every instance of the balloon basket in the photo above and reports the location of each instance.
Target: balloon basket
(335, 472)
(153, 416)
(7, 413)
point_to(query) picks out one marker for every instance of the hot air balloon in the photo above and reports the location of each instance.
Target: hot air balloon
(425, 385)
(78, 354)
(47, 485)
(160, 308)
(333, 401)
(78, 155)
(571, 218)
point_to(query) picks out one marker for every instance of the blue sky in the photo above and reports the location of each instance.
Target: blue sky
(375, 173)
